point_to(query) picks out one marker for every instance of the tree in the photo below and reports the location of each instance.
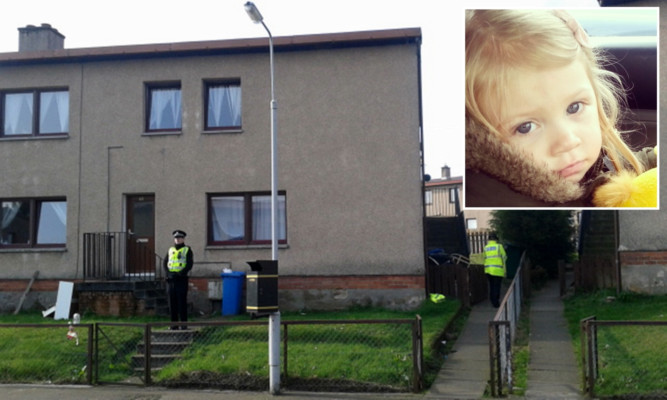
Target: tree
(547, 235)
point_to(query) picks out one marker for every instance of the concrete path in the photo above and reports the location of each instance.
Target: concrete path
(466, 370)
(552, 371)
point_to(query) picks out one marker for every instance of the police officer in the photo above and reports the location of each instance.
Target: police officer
(494, 267)
(177, 264)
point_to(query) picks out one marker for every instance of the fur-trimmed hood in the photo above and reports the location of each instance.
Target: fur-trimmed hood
(488, 155)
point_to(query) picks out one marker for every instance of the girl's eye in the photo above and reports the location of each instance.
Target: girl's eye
(524, 128)
(574, 108)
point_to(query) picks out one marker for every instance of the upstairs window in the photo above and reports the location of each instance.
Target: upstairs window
(244, 219)
(35, 112)
(33, 223)
(453, 195)
(428, 197)
(223, 105)
(163, 107)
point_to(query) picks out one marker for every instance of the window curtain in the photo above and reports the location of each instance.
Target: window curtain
(54, 112)
(52, 225)
(228, 218)
(261, 218)
(15, 222)
(165, 110)
(18, 114)
(9, 211)
(224, 106)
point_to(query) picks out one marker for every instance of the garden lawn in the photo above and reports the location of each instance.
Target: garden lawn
(631, 359)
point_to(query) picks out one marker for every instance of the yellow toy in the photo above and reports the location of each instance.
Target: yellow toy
(629, 190)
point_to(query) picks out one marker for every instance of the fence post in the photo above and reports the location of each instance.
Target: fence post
(508, 357)
(147, 355)
(492, 358)
(465, 277)
(285, 335)
(592, 359)
(417, 355)
(89, 361)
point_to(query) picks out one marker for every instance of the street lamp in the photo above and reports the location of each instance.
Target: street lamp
(274, 318)
(257, 18)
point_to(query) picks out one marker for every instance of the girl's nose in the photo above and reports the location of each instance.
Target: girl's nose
(565, 138)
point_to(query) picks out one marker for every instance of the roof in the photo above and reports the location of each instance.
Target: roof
(214, 47)
(455, 180)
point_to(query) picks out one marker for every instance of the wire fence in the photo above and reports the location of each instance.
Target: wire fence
(53, 353)
(624, 358)
(346, 355)
(502, 330)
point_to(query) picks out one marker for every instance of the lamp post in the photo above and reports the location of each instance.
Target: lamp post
(274, 318)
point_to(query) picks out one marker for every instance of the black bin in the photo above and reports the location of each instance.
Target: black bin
(262, 287)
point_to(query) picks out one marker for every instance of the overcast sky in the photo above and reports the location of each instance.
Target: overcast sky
(89, 23)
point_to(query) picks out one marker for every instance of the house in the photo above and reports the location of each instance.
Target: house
(632, 245)
(105, 151)
(441, 195)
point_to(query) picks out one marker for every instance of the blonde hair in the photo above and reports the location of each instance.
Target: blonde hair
(502, 43)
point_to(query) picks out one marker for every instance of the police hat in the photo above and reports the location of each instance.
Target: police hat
(179, 233)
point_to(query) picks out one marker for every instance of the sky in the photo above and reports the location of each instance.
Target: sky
(86, 23)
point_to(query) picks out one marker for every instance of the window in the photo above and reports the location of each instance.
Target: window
(33, 223)
(471, 223)
(428, 197)
(223, 105)
(452, 195)
(244, 218)
(163, 107)
(35, 112)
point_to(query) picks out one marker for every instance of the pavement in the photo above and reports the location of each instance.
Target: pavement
(553, 373)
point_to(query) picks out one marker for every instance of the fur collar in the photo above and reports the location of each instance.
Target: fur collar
(487, 153)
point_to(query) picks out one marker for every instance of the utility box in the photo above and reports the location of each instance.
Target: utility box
(262, 287)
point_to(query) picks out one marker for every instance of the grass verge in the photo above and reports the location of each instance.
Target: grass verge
(45, 355)
(631, 359)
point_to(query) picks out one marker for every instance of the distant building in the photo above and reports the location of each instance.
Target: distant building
(441, 196)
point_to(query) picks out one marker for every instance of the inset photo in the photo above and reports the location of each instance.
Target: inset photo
(561, 108)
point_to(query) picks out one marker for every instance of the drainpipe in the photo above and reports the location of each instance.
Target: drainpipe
(109, 148)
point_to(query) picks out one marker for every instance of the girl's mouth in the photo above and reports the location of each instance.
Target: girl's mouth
(572, 169)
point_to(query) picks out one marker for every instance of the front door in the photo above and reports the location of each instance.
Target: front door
(141, 234)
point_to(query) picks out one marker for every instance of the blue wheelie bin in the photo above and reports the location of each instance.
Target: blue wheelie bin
(232, 288)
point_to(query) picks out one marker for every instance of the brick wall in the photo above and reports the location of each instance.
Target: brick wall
(643, 257)
(351, 282)
(120, 304)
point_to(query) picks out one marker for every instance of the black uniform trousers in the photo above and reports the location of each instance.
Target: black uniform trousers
(494, 289)
(178, 299)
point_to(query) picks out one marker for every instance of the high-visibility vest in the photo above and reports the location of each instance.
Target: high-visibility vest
(494, 259)
(177, 258)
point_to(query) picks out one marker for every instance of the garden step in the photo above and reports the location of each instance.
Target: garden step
(163, 347)
(157, 360)
(166, 346)
(169, 336)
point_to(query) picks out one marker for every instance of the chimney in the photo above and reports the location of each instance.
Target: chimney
(38, 38)
(445, 172)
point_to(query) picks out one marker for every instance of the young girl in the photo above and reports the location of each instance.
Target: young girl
(541, 113)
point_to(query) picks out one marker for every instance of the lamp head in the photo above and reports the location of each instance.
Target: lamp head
(253, 12)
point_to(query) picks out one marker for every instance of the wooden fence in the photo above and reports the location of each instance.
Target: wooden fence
(593, 273)
(477, 240)
(458, 280)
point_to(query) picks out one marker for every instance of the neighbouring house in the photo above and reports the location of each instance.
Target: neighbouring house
(632, 245)
(105, 151)
(442, 196)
